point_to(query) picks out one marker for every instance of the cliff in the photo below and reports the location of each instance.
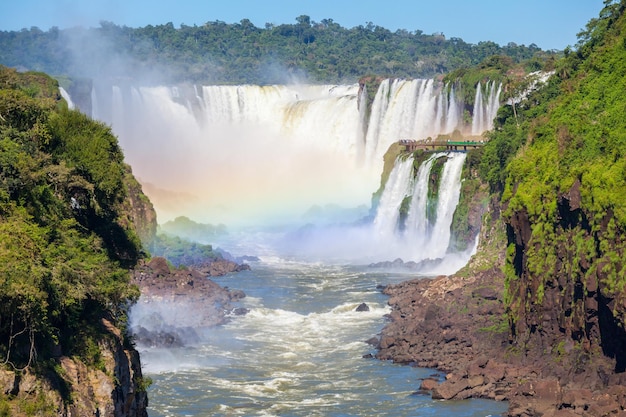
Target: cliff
(114, 388)
(566, 216)
(71, 218)
(544, 328)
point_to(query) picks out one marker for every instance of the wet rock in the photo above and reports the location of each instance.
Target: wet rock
(373, 341)
(176, 305)
(240, 311)
(236, 295)
(363, 307)
(429, 384)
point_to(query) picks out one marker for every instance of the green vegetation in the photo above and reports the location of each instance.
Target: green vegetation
(433, 189)
(500, 325)
(473, 201)
(181, 252)
(404, 211)
(66, 241)
(559, 161)
(499, 69)
(217, 52)
(188, 229)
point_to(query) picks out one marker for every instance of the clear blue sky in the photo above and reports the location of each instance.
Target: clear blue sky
(551, 24)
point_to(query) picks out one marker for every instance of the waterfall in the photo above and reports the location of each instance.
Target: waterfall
(410, 109)
(420, 240)
(478, 122)
(363, 123)
(485, 107)
(417, 221)
(455, 113)
(448, 198)
(67, 98)
(396, 189)
(237, 153)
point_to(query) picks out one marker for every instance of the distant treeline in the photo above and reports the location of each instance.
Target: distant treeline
(217, 52)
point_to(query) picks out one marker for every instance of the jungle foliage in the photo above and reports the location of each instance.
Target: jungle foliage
(66, 240)
(568, 138)
(217, 52)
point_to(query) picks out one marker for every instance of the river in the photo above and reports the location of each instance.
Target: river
(298, 352)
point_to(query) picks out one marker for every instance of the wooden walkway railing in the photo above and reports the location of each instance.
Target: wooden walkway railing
(413, 145)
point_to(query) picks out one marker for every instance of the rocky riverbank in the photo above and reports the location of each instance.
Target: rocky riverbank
(458, 325)
(176, 304)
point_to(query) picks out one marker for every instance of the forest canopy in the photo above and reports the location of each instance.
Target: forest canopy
(239, 53)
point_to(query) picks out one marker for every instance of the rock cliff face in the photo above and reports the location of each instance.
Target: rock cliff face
(69, 224)
(575, 314)
(566, 217)
(115, 388)
(141, 210)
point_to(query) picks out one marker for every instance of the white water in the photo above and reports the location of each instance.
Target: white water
(485, 106)
(298, 352)
(410, 109)
(250, 154)
(67, 98)
(397, 188)
(240, 154)
(417, 222)
(448, 198)
(420, 240)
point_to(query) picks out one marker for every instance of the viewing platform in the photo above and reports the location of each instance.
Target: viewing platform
(450, 145)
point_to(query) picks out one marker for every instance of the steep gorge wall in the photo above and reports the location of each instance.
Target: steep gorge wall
(71, 217)
(572, 305)
(565, 213)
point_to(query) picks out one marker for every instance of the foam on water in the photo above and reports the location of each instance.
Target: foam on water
(298, 352)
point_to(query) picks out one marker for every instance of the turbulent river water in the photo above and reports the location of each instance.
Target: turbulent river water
(298, 352)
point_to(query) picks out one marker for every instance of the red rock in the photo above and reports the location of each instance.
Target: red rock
(429, 384)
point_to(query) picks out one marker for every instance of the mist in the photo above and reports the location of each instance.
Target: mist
(240, 155)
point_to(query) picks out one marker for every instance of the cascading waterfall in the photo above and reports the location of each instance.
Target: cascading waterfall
(208, 152)
(363, 123)
(448, 198)
(68, 99)
(416, 224)
(410, 109)
(224, 149)
(396, 189)
(227, 153)
(420, 239)
(485, 107)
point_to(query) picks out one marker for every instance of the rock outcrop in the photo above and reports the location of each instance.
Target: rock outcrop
(114, 388)
(162, 314)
